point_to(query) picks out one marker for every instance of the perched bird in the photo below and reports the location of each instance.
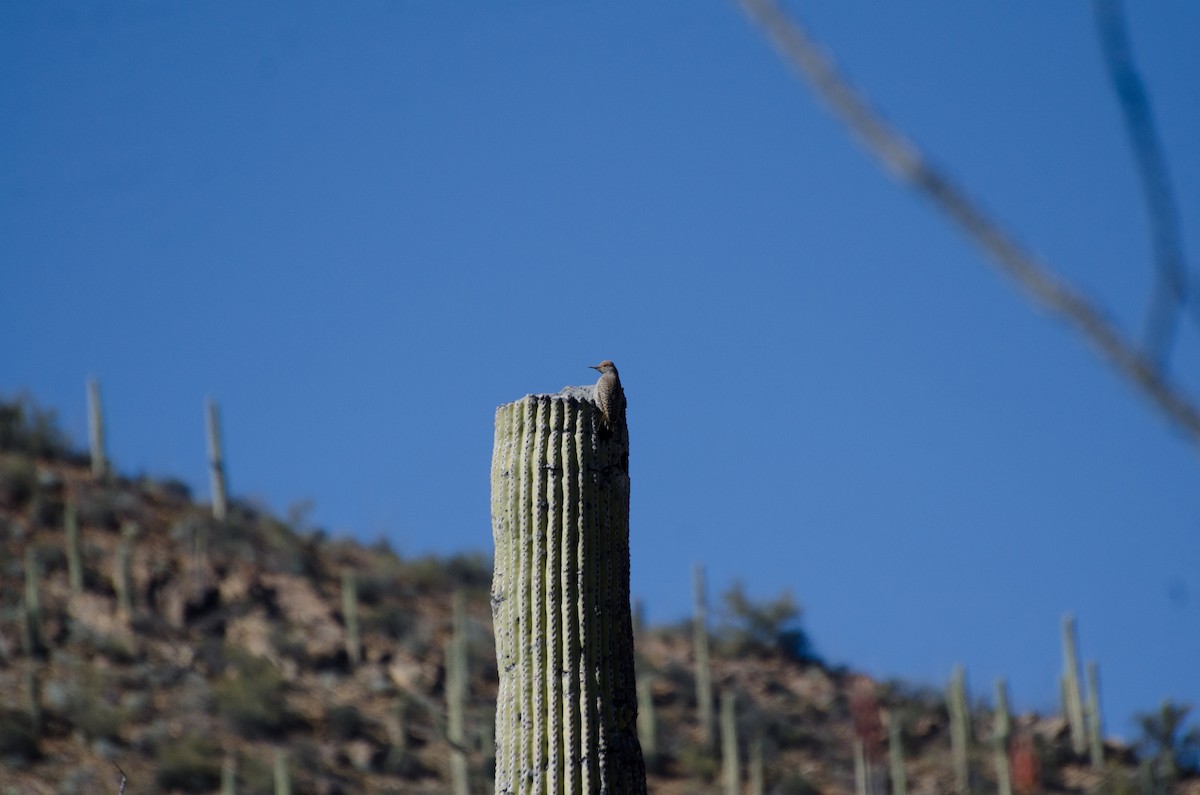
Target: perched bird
(609, 395)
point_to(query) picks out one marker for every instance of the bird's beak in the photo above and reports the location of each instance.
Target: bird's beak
(594, 366)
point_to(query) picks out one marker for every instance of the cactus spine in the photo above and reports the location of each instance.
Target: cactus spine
(704, 692)
(1094, 722)
(959, 729)
(350, 616)
(74, 556)
(96, 430)
(456, 696)
(32, 634)
(283, 778)
(732, 766)
(216, 461)
(1000, 730)
(1072, 701)
(566, 713)
(896, 757)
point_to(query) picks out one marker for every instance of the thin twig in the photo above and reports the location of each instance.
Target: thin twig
(908, 164)
(124, 778)
(1171, 286)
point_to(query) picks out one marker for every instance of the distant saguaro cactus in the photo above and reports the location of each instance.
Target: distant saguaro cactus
(1001, 728)
(1072, 700)
(350, 616)
(758, 776)
(122, 578)
(566, 712)
(31, 633)
(229, 774)
(960, 731)
(1093, 717)
(216, 461)
(457, 681)
(704, 691)
(96, 430)
(896, 757)
(647, 723)
(74, 555)
(33, 696)
(283, 775)
(731, 765)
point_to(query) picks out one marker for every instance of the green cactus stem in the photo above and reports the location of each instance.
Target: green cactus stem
(960, 734)
(731, 765)
(350, 616)
(861, 784)
(32, 627)
(96, 430)
(566, 713)
(896, 757)
(122, 563)
(283, 776)
(757, 774)
(74, 556)
(457, 682)
(647, 721)
(1001, 728)
(229, 775)
(1072, 700)
(216, 461)
(1094, 718)
(704, 690)
(33, 697)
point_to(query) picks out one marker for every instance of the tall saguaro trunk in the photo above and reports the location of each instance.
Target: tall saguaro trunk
(216, 460)
(566, 712)
(96, 429)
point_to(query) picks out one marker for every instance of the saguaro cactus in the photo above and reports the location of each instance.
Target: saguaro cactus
(731, 770)
(122, 577)
(74, 556)
(860, 768)
(32, 628)
(350, 616)
(457, 680)
(1072, 700)
(896, 757)
(96, 429)
(960, 733)
(283, 775)
(757, 773)
(647, 723)
(216, 461)
(1001, 728)
(229, 774)
(704, 692)
(1094, 721)
(566, 712)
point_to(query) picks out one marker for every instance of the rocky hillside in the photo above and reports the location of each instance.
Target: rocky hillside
(141, 639)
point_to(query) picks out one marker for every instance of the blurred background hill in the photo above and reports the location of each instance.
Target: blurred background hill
(142, 638)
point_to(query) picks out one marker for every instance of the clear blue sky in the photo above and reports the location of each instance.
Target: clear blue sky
(362, 226)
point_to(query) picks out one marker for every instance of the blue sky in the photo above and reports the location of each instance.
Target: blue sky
(361, 227)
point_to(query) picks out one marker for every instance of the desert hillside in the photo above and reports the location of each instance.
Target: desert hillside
(143, 639)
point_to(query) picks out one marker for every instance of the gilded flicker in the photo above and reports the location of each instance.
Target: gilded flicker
(609, 395)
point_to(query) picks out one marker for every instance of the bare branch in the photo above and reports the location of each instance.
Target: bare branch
(1171, 287)
(908, 164)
